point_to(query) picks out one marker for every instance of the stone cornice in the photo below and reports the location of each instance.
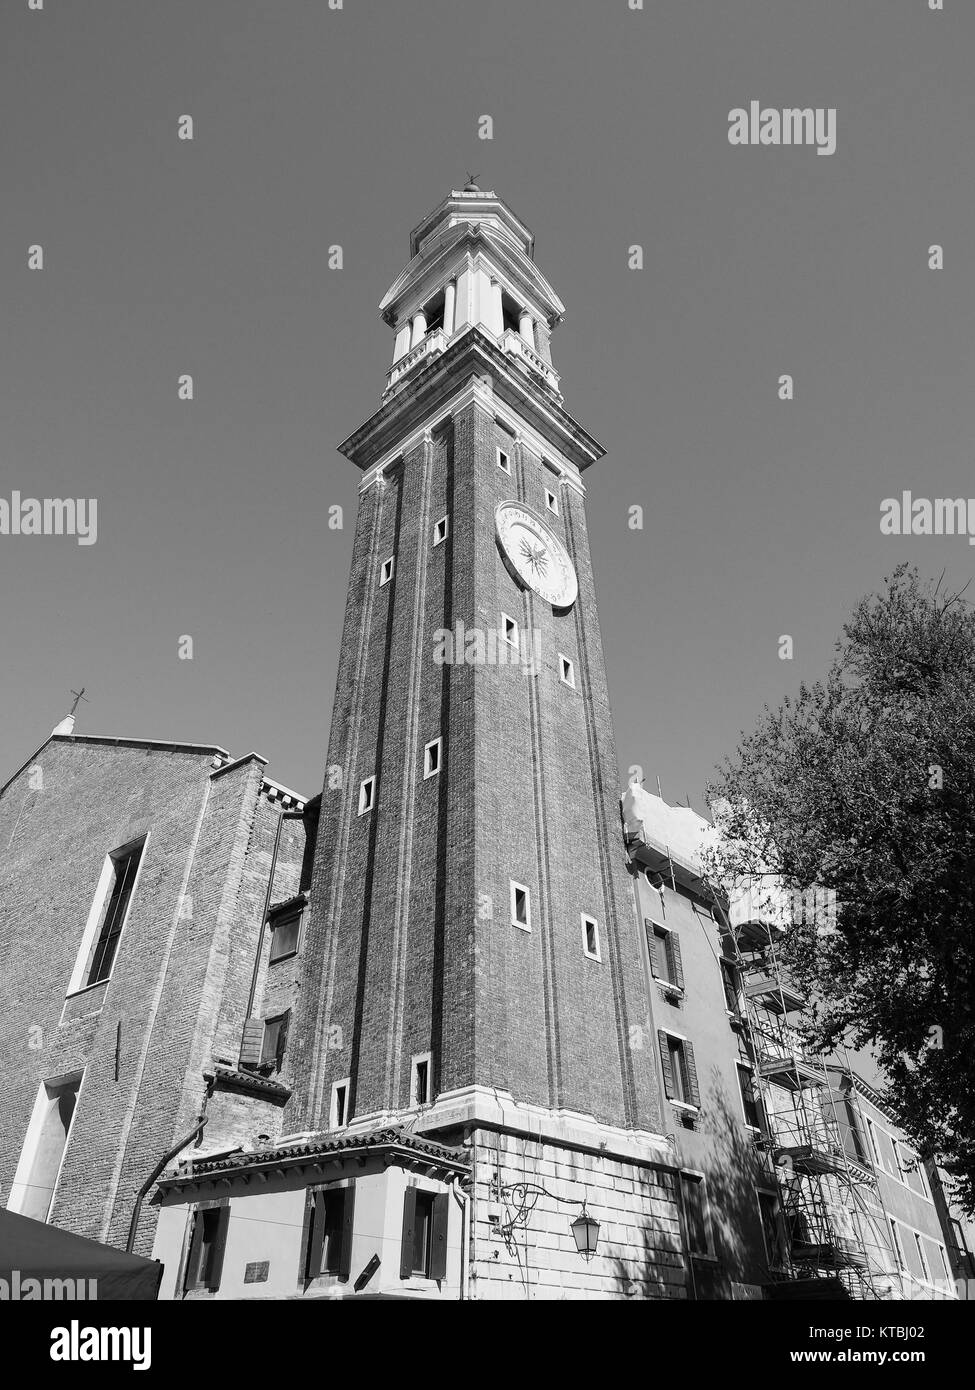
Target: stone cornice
(473, 353)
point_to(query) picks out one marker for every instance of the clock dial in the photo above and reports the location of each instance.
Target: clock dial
(536, 556)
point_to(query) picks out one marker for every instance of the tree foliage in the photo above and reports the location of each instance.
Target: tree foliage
(864, 784)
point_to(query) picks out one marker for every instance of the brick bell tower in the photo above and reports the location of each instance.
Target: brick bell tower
(474, 965)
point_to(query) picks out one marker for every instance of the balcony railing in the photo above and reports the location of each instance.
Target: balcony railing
(429, 346)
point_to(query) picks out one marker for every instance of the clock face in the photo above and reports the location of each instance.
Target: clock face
(536, 557)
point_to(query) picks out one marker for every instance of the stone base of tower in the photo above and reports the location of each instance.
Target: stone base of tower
(531, 1172)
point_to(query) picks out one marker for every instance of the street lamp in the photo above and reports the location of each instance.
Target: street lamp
(585, 1229)
(524, 1195)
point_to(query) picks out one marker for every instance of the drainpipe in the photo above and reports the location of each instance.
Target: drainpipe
(177, 1148)
(461, 1199)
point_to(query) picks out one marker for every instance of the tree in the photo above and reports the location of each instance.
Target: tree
(864, 784)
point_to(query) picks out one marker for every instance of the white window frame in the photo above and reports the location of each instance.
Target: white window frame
(741, 1066)
(416, 1062)
(35, 1127)
(551, 501)
(779, 1222)
(505, 620)
(76, 984)
(386, 570)
(371, 783)
(514, 887)
(441, 530)
(503, 454)
(570, 679)
(588, 920)
(900, 1255)
(922, 1258)
(333, 1108)
(429, 771)
(683, 1039)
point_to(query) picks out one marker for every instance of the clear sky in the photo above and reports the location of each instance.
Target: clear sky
(315, 127)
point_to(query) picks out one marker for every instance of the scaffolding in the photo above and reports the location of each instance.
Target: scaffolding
(831, 1240)
(833, 1234)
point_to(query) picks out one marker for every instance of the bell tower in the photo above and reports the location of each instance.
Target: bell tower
(474, 964)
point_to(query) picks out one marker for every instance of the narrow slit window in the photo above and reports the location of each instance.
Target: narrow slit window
(521, 915)
(509, 630)
(590, 937)
(367, 795)
(440, 531)
(421, 1079)
(432, 758)
(567, 671)
(386, 573)
(551, 501)
(125, 868)
(339, 1110)
(504, 461)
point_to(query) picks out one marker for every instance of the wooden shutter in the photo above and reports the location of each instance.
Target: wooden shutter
(345, 1248)
(316, 1235)
(678, 976)
(409, 1233)
(252, 1044)
(196, 1248)
(694, 1096)
(666, 1064)
(282, 1040)
(653, 946)
(219, 1245)
(438, 1240)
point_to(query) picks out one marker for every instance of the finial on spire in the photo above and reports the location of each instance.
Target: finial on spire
(471, 185)
(66, 725)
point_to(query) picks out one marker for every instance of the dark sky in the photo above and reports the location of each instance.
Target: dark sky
(315, 127)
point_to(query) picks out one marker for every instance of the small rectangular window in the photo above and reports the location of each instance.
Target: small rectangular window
(666, 964)
(440, 531)
(521, 915)
(768, 1206)
(504, 461)
(386, 573)
(420, 1071)
(367, 795)
(899, 1256)
(567, 671)
(204, 1264)
(275, 1040)
(551, 501)
(339, 1110)
(590, 937)
(732, 987)
(694, 1192)
(431, 758)
(509, 630)
(749, 1100)
(679, 1069)
(424, 1241)
(285, 932)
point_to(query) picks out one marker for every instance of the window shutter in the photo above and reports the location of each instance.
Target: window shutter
(345, 1249)
(219, 1245)
(678, 976)
(409, 1232)
(252, 1044)
(282, 1041)
(196, 1247)
(666, 1064)
(654, 947)
(692, 1086)
(438, 1243)
(316, 1236)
